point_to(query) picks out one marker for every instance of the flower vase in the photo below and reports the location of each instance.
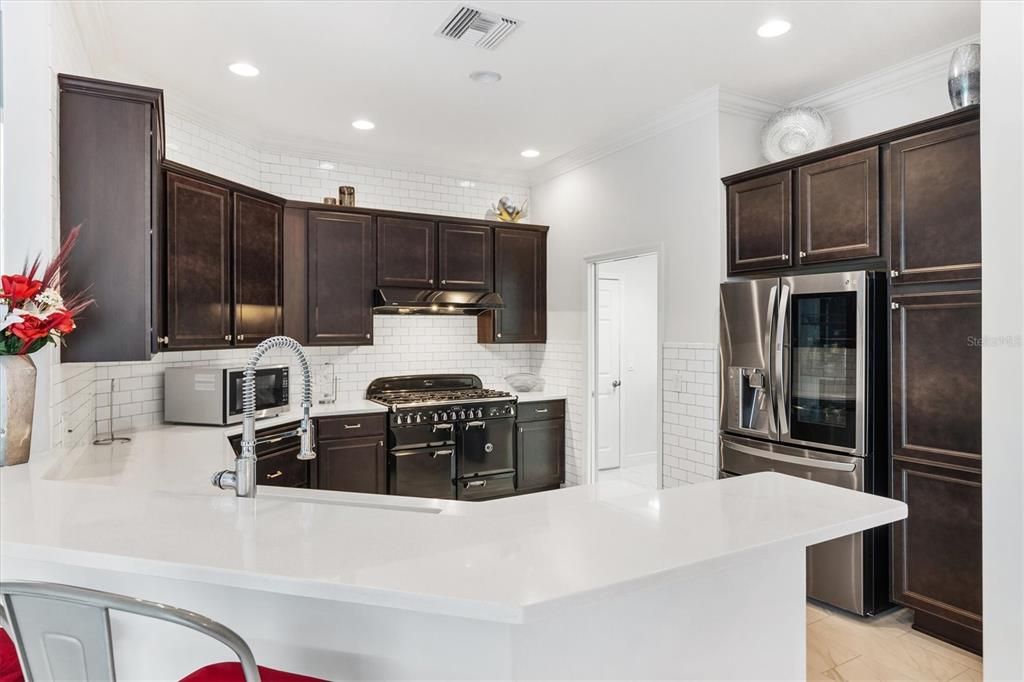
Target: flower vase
(17, 400)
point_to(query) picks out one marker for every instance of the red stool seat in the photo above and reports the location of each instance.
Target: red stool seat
(10, 666)
(232, 672)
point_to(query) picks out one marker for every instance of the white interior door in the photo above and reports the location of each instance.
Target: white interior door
(609, 403)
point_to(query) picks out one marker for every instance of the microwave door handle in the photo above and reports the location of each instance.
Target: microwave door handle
(779, 361)
(768, 390)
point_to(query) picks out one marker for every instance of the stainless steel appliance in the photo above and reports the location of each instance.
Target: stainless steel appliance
(448, 437)
(213, 395)
(803, 378)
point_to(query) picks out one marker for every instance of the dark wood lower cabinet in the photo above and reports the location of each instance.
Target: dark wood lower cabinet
(351, 455)
(540, 446)
(283, 469)
(937, 550)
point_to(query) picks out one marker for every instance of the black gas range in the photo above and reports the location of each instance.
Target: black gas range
(448, 436)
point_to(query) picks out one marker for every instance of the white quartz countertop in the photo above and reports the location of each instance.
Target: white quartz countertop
(505, 560)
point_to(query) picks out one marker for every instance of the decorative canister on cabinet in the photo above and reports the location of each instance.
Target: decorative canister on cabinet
(346, 196)
(965, 76)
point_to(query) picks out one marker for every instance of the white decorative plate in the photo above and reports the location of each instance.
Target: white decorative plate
(796, 131)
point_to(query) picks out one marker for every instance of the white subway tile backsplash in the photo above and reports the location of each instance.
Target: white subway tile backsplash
(690, 417)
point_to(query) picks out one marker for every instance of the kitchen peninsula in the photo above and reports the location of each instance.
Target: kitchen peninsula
(356, 586)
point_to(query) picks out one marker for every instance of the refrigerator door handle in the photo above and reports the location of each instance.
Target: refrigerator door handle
(790, 459)
(769, 332)
(778, 359)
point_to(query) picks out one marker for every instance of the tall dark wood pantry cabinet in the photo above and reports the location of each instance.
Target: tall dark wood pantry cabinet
(111, 146)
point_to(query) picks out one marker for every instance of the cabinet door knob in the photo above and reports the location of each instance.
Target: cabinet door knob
(444, 281)
(803, 254)
(894, 273)
(367, 336)
(241, 337)
(227, 337)
(430, 281)
(163, 340)
(499, 335)
(895, 305)
(784, 256)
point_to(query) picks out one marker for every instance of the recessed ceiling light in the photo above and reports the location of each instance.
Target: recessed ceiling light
(363, 124)
(773, 28)
(529, 153)
(485, 76)
(326, 165)
(243, 69)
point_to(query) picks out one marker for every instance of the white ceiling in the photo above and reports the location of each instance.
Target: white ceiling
(573, 71)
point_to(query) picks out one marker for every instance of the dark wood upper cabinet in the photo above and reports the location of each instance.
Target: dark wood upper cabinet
(936, 377)
(838, 208)
(258, 259)
(937, 562)
(465, 257)
(340, 260)
(520, 276)
(198, 264)
(406, 253)
(934, 205)
(760, 223)
(111, 146)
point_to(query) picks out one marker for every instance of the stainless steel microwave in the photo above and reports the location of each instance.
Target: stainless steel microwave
(213, 395)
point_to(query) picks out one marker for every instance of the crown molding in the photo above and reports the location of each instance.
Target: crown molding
(884, 81)
(327, 150)
(701, 104)
(748, 106)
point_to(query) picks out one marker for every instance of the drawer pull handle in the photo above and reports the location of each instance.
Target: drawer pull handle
(476, 484)
(476, 425)
(542, 411)
(353, 426)
(442, 427)
(276, 474)
(444, 453)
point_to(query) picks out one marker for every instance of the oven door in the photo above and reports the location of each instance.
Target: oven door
(271, 392)
(485, 446)
(422, 472)
(820, 361)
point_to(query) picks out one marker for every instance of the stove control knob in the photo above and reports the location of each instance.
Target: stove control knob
(462, 414)
(434, 416)
(408, 419)
(419, 418)
(451, 416)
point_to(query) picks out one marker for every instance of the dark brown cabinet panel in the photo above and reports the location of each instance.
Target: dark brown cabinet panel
(838, 208)
(936, 377)
(257, 279)
(198, 264)
(937, 549)
(340, 261)
(520, 276)
(760, 223)
(111, 145)
(356, 465)
(540, 454)
(406, 253)
(934, 205)
(283, 469)
(465, 258)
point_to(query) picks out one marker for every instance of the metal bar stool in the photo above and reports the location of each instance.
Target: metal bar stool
(62, 632)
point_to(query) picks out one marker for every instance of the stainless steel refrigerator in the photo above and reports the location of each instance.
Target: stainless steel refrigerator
(803, 386)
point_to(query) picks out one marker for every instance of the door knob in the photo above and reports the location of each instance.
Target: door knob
(616, 383)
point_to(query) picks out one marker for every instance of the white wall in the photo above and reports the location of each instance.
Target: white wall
(1002, 212)
(639, 355)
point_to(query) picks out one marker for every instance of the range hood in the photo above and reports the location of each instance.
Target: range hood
(402, 301)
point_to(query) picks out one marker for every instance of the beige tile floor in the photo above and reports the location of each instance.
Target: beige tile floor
(845, 647)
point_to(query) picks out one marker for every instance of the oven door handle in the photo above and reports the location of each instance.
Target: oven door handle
(476, 425)
(442, 427)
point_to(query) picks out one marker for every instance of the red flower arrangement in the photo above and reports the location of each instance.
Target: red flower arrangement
(32, 311)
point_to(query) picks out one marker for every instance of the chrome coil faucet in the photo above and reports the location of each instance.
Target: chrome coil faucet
(243, 478)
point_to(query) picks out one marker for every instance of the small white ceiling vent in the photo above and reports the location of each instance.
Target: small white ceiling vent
(483, 29)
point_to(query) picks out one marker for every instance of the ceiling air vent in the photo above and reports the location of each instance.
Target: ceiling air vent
(483, 29)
